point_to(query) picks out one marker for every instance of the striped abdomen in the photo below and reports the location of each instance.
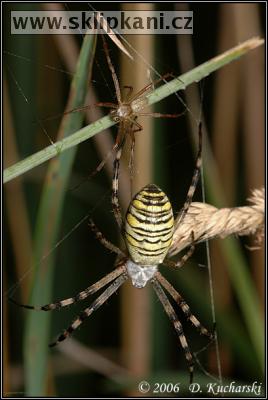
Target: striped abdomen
(149, 226)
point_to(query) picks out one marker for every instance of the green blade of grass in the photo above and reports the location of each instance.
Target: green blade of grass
(247, 296)
(48, 220)
(180, 83)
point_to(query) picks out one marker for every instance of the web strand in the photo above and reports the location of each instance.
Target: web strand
(11, 291)
(27, 101)
(211, 288)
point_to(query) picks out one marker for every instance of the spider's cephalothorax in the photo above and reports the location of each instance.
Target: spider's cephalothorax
(149, 227)
(123, 112)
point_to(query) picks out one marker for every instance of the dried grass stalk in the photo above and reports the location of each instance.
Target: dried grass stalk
(208, 222)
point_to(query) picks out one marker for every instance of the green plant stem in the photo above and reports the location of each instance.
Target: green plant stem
(180, 83)
(247, 296)
(47, 225)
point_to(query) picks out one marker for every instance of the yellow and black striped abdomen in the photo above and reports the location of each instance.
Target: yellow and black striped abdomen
(149, 226)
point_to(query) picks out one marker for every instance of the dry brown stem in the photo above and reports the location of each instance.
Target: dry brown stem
(208, 222)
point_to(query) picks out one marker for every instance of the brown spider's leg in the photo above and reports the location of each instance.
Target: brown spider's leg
(183, 305)
(177, 325)
(134, 122)
(182, 260)
(130, 91)
(99, 104)
(103, 162)
(114, 286)
(115, 200)
(98, 234)
(111, 67)
(160, 115)
(79, 109)
(80, 296)
(151, 84)
(120, 141)
(131, 160)
(195, 177)
(107, 105)
(97, 169)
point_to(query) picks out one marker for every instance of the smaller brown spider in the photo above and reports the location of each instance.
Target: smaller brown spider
(126, 112)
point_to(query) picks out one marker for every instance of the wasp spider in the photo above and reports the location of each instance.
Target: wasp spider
(148, 232)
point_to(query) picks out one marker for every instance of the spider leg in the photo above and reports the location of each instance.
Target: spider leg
(115, 200)
(97, 169)
(110, 246)
(195, 178)
(79, 109)
(151, 84)
(106, 105)
(111, 67)
(80, 296)
(130, 91)
(177, 325)
(118, 143)
(160, 115)
(131, 160)
(103, 162)
(133, 122)
(114, 286)
(183, 305)
(183, 259)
